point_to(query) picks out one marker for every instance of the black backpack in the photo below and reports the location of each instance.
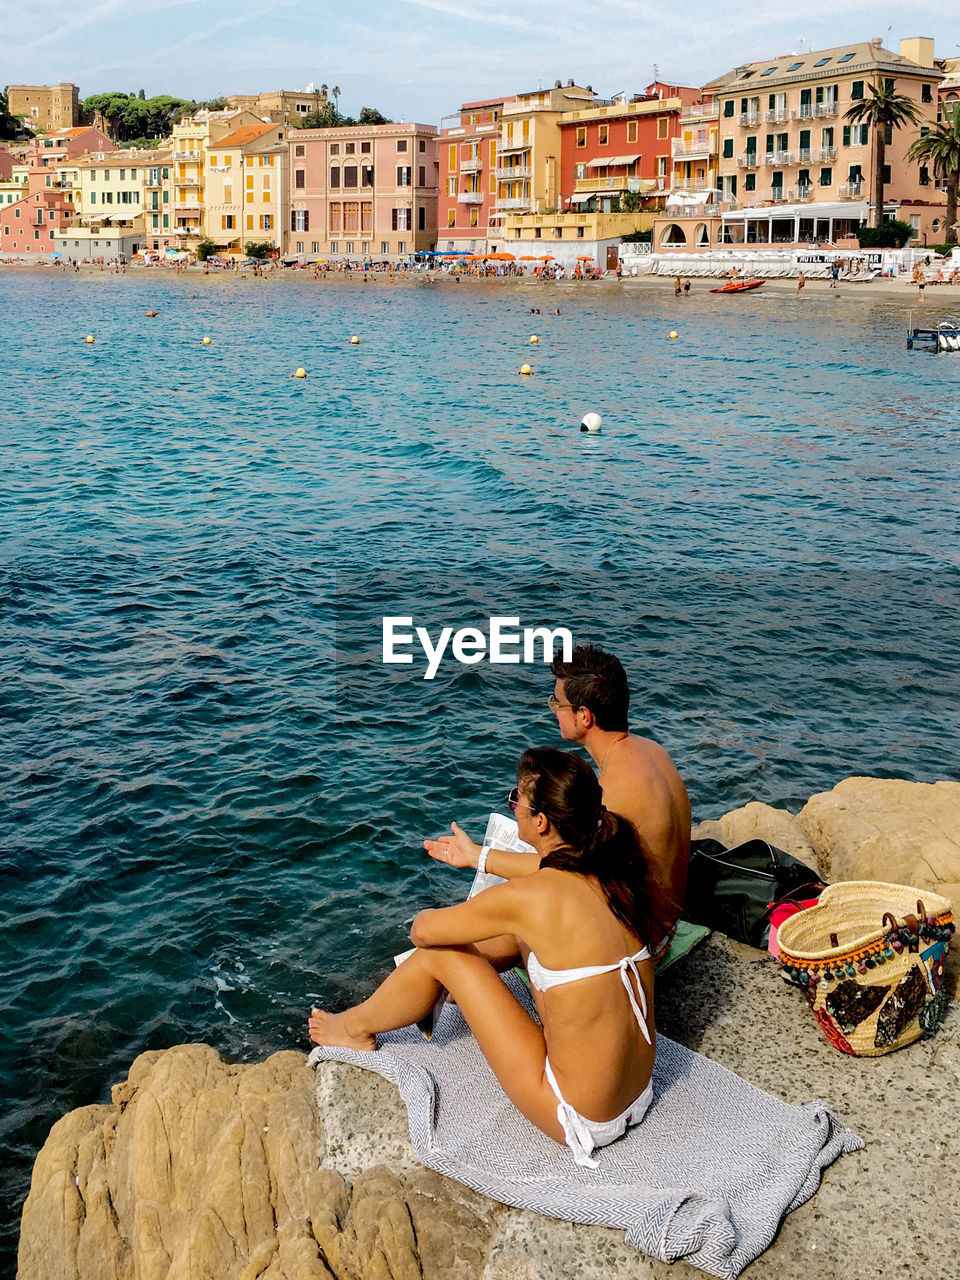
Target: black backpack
(732, 890)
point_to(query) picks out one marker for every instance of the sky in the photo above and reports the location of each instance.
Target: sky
(417, 60)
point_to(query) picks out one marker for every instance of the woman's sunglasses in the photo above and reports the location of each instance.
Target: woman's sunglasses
(513, 800)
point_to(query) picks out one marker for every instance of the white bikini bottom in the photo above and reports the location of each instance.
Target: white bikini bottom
(584, 1135)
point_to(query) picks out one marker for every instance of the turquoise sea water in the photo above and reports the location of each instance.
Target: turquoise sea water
(213, 792)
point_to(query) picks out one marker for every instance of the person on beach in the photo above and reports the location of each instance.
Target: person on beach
(801, 284)
(677, 287)
(584, 926)
(639, 781)
(921, 283)
(834, 274)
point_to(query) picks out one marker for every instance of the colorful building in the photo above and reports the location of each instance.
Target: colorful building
(793, 170)
(529, 149)
(111, 200)
(363, 190)
(189, 143)
(280, 106)
(246, 188)
(29, 225)
(467, 212)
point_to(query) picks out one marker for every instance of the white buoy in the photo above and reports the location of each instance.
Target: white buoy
(591, 422)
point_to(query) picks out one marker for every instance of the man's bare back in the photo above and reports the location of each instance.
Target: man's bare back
(641, 782)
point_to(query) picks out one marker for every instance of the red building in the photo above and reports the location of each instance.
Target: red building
(622, 146)
(467, 209)
(28, 225)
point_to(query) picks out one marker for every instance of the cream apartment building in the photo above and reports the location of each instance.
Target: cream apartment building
(246, 187)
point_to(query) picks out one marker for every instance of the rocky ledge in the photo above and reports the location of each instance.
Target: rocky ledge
(202, 1169)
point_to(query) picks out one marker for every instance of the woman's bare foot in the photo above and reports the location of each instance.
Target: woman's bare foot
(331, 1029)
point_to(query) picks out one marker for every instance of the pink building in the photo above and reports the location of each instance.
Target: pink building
(6, 165)
(28, 225)
(468, 177)
(363, 190)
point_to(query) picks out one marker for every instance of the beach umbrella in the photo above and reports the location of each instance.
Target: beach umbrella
(585, 258)
(527, 257)
(502, 257)
(546, 257)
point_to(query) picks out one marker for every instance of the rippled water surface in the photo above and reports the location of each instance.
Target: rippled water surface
(212, 790)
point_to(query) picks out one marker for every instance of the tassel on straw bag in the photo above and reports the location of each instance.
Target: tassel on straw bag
(869, 957)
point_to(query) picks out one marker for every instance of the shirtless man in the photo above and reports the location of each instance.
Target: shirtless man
(591, 699)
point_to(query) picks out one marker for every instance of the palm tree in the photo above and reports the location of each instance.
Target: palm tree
(336, 98)
(884, 109)
(940, 147)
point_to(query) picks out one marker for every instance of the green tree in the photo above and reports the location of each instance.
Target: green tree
(884, 109)
(261, 249)
(940, 148)
(631, 202)
(205, 249)
(10, 126)
(370, 115)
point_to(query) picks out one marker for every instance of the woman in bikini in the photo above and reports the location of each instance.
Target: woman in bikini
(583, 924)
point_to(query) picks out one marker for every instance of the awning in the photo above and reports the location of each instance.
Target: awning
(608, 161)
(584, 196)
(821, 211)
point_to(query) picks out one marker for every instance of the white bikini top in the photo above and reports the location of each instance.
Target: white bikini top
(542, 979)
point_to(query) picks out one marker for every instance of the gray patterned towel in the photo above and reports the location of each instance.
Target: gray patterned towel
(708, 1175)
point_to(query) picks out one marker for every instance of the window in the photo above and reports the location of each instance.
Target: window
(403, 175)
(581, 137)
(384, 246)
(661, 166)
(795, 66)
(249, 221)
(350, 148)
(663, 124)
(728, 108)
(93, 200)
(364, 148)
(334, 246)
(926, 93)
(474, 216)
(887, 173)
(890, 84)
(400, 219)
(106, 175)
(315, 246)
(603, 135)
(226, 222)
(846, 57)
(924, 176)
(421, 176)
(422, 218)
(349, 175)
(334, 148)
(822, 63)
(826, 177)
(336, 217)
(299, 179)
(727, 148)
(366, 175)
(335, 175)
(856, 89)
(451, 186)
(423, 145)
(300, 220)
(351, 217)
(298, 150)
(401, 246)
(451, 217)
(750, 182)
(401, 144)
(769, 71)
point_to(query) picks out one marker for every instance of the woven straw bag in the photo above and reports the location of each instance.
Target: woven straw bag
(869, 957)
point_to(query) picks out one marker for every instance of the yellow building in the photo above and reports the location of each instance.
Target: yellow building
(245, 183)
(567, 237)
(281, 106)
(189, 143)
(528, 152)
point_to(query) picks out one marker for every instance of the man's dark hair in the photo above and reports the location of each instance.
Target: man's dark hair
(597, 681)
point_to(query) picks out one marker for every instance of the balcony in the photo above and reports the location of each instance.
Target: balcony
(470, 197)
(781, 195)
(805, 156)
(826, 153)
(188, 155)
(748, 119)
(515, 171)
(186, 210)
(778, 158)
(692, 150)
(516, 202)
(597, 186)
(701, 111)
(779, 115)
(804, 193)
(822, 109)
(473, 165)
(748, 160)
(850, 190)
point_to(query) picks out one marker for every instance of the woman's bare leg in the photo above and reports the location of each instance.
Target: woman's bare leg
(508, 1037)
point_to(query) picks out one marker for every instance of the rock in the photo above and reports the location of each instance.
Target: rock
(888, 829)
(203, 1169)
(760, 821)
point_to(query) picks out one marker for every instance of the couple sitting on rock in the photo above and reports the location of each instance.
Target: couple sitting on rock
(586, 913)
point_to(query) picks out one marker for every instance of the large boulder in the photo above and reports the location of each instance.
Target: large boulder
(888, 829)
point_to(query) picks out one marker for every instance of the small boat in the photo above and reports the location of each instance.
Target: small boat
(740, 286)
